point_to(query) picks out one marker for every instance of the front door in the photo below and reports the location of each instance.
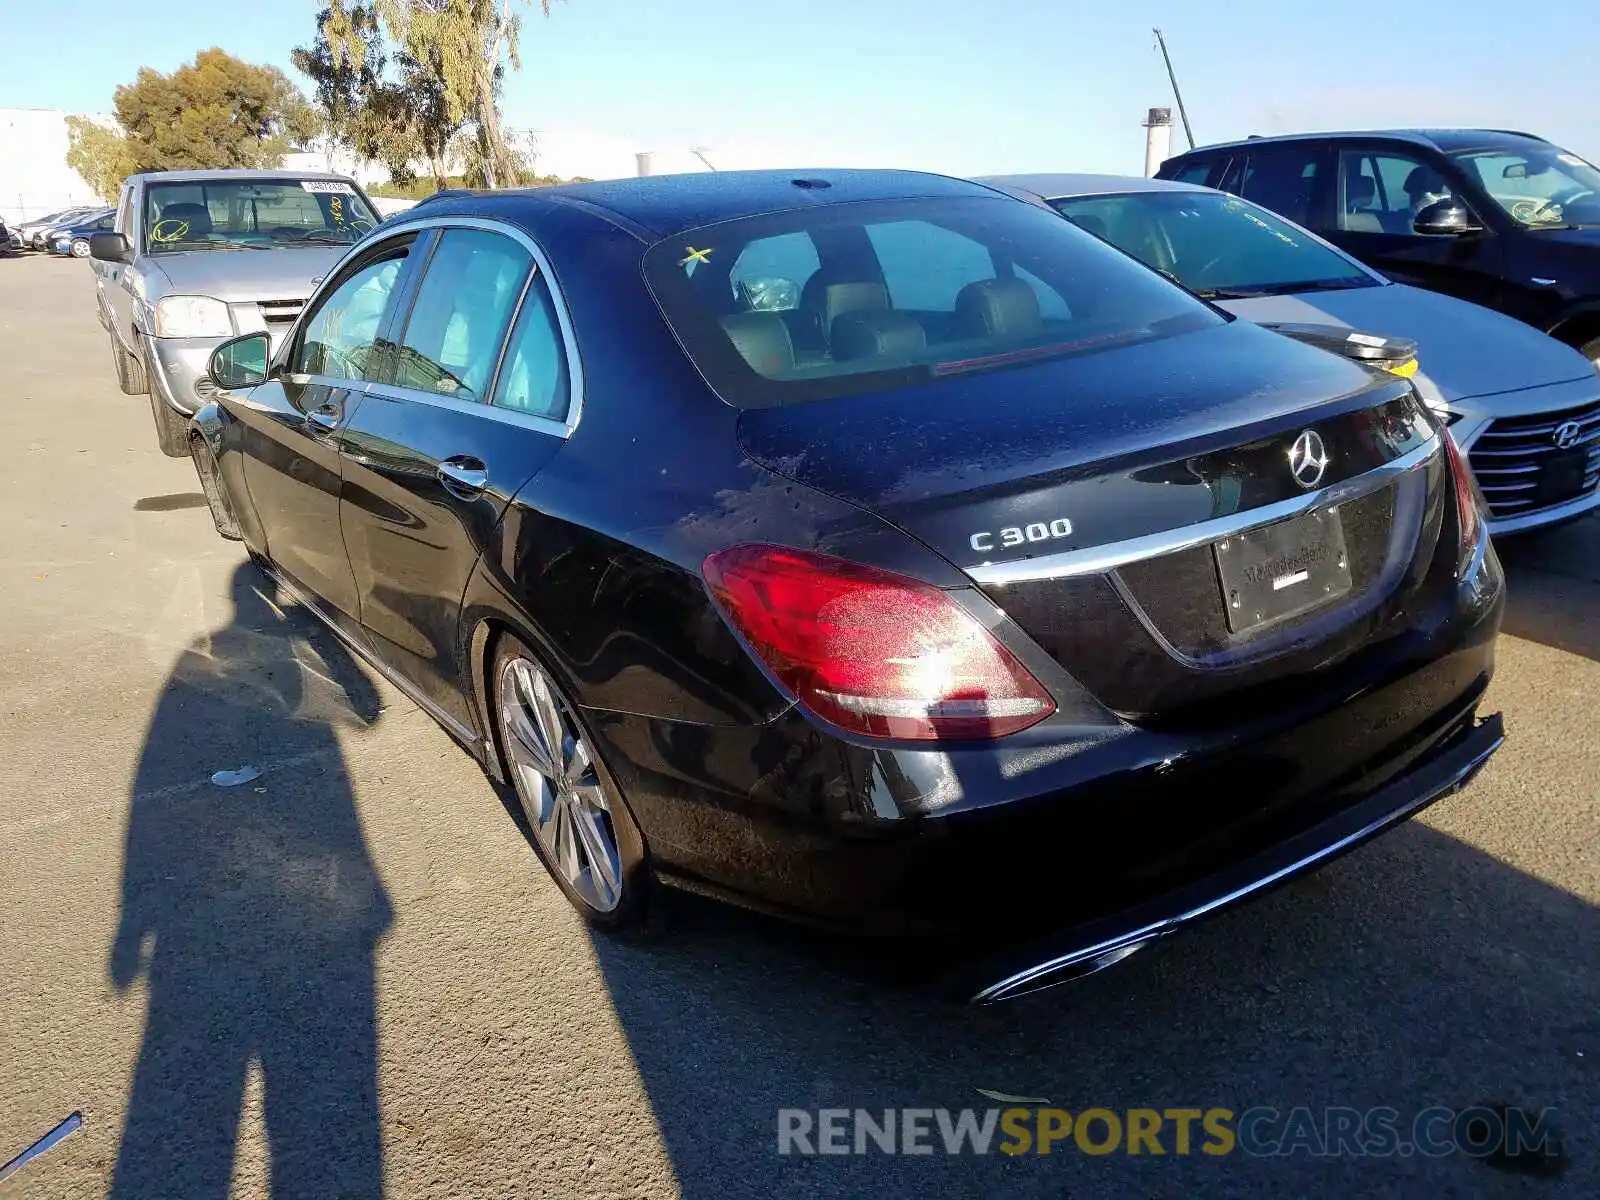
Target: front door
(291, 455)
(443, 441)
(1380, 193)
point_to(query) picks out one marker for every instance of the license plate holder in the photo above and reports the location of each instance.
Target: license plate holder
(1561, 476)
(1282, 569)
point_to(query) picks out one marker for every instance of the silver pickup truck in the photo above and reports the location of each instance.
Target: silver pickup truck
(198, 257)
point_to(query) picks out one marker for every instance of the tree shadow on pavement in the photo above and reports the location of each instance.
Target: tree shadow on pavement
(1417, 972)
(254, 911)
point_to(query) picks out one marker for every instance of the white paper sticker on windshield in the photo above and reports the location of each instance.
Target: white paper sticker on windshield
(327, 185)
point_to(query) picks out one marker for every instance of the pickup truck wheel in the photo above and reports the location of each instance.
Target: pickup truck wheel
(130, 371)
(172, 427)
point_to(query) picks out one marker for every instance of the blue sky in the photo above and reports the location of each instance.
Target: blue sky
(935, 84)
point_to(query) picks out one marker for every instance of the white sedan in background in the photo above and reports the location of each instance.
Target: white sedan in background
(1525, 407)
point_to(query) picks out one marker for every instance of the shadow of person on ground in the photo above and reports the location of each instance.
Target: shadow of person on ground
(254, 912)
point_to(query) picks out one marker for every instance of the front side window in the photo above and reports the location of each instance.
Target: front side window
(1215, 244)
(458, 323)
(340, 337)
(1541, 187)
(1283, 179)
(253, 213)
(904, 292)
(1384, 191)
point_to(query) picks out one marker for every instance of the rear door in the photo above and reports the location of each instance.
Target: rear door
(1381, 189)
(477, 393)
(293, 421)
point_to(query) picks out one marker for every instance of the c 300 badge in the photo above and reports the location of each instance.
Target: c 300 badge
(1017, 535)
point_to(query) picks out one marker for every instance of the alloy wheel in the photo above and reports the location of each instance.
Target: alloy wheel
(556, 783)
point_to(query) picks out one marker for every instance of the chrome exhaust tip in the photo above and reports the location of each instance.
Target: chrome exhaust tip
(1055, 972)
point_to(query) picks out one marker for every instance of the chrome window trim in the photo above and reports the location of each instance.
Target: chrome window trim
(1096, 560)
(487, 408)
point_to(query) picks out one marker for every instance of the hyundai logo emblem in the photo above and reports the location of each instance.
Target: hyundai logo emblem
(1308, 459)
(1567, 434)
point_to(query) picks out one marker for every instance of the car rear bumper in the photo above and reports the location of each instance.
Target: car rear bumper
(1096, 945)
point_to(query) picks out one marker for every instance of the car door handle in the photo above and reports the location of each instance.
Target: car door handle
(463, 476)
(323, 420)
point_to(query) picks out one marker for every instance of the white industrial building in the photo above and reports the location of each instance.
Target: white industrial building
(34, 177)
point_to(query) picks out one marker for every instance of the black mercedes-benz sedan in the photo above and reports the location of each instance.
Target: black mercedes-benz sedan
(871, 548)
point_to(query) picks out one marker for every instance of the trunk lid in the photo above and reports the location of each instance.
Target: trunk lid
(1085, 496)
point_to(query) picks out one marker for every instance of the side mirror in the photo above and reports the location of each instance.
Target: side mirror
(1446, 218)
(108, 247)
(240, 362)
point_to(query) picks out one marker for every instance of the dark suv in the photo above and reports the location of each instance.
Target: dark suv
(1507, 220)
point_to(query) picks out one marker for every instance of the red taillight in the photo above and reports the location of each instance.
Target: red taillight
(871, 651)
(1468, 514)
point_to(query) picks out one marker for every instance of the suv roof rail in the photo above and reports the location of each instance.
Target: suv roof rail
(1520, 133)
(442, 194)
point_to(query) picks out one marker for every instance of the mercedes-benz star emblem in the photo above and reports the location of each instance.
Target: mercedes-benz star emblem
(1308, 459)
(1566, 434)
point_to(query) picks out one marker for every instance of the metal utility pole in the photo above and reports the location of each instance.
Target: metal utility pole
(700, 153)
(1183, 113)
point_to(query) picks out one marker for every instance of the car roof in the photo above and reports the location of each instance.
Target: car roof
(1053, 187)
(662, 205)
(218, 174)
(1434, 139)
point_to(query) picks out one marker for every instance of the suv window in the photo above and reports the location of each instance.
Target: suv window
(1195, 171)
(1382, 191)
(458, 323)
(339, 338)
(1539, 186)
(1284, 179)
(534, 378)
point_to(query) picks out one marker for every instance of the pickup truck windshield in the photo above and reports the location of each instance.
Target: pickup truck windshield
(201, 215)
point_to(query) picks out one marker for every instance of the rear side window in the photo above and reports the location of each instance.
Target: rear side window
(534, 377)
(463, 308)
(1284, 179)
(901, 292)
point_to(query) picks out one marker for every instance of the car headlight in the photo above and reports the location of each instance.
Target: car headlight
(192, 316)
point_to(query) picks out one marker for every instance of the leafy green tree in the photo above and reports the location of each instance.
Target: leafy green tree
(99, 155)
(386, 106)
(465, 47)
(218, 111)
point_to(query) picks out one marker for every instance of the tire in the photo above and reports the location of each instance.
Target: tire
(131, 376)
(80, 248)
(172, 427)
(583, 833)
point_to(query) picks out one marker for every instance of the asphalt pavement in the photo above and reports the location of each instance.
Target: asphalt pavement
(349, 976)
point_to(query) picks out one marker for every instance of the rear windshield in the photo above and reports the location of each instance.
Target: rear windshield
(253, 212)
(848, 298)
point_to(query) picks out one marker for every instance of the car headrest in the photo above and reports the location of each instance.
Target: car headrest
(828, 297)
(763, 340)
(1359, 191)
(196, 216)
(876, 333)
(998, 307)
(1423, 180)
